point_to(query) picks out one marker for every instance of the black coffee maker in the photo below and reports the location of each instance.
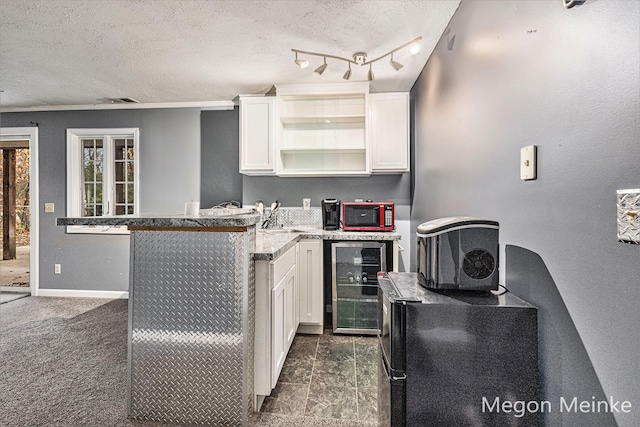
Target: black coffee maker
(331, 214)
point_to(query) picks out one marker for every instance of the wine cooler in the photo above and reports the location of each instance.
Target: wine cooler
(355, 267)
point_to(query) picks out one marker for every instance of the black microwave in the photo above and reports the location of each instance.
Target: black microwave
(368, 216)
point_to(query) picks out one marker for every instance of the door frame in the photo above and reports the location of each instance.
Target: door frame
(31, 134)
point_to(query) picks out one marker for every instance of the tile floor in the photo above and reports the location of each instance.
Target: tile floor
(327, 380)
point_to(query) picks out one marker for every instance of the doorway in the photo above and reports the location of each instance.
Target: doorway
(15, 215)
(19, 212)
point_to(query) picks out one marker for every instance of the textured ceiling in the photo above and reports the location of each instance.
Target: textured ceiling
(81, 52)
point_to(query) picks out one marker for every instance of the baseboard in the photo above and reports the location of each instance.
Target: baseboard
(78, 293)
(310, 329)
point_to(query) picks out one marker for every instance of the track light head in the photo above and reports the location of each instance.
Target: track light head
(370, 73)
(395, 64)
(347, 73)
(302, 63)
(321, 68)
(414, 48)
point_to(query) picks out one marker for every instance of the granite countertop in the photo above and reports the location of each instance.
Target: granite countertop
(272, 243)
(215, 219)
(406, 287)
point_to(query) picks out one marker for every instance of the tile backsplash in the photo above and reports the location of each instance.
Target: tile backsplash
(294, 217)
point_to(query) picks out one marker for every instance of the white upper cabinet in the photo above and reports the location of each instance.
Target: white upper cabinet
(257, 135)
(324, 130)
(389, 132)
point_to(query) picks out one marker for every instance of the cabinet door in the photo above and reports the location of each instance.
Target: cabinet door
(310, 281)
(278, 330)
(389, 132)
(257, 135)
(291, 308)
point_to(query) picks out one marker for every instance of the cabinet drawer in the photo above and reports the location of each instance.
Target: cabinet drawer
(283, 264)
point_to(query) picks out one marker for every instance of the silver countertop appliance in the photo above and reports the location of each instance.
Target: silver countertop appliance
(458, 253)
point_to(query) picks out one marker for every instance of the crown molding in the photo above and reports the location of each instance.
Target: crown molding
(207, 105)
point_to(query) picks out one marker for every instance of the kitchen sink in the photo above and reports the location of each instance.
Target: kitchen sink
(280, 230)
(286, 230)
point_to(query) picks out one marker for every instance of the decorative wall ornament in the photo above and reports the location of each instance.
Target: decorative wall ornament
(629, 216)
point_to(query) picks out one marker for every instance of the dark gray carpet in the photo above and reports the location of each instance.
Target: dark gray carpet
(64, 363)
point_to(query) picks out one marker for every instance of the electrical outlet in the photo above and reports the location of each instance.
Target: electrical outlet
(57, 268)
(49, 208)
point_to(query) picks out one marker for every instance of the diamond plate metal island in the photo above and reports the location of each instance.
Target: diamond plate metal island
(191, 316)
(191, 326)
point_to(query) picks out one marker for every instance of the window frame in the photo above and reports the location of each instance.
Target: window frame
(75, 173)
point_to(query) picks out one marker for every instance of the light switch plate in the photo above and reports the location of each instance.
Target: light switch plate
(49, 208)
(528, 163)
(629, 216)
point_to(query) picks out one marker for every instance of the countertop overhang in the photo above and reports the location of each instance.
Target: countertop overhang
(151, 221)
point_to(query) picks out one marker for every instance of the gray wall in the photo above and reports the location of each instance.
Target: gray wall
(290, 191)
(507, 74)
(220, 179)
(169, 162)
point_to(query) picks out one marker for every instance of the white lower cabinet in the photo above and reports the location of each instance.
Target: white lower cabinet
(276, 321)
(310, 279)
(283, 321)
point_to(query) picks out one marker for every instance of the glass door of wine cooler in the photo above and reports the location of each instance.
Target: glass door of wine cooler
(355, 267)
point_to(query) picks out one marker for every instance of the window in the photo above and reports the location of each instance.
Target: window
(102, 175)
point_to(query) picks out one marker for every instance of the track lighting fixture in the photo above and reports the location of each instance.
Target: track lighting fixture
(359, 58)
(321, 68)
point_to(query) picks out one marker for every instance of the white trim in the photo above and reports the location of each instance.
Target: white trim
(206, 105)
(358, 88)
(78, 293)
(75, 171)
(30, 133)
(97, 229)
